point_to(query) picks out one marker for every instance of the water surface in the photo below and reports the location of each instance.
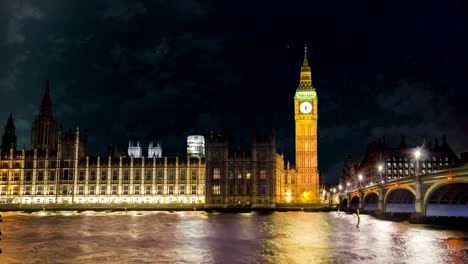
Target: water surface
(199, 237)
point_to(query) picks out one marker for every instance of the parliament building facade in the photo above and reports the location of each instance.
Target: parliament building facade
(58, 169)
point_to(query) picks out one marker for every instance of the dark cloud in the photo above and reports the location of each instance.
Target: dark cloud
(158, 70)
(123, 10)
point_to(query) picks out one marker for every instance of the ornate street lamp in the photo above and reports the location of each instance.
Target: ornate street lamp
(380, 168)
(417, 155)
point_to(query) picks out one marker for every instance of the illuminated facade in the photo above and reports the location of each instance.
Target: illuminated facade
(306, 116)
(59, 168)
(134, 150)
(44, 128)
(240, 179)
(397, 162)
(61, 171)
(196, 146)
(154, 151)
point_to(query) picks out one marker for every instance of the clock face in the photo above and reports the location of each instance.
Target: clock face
(305, 107)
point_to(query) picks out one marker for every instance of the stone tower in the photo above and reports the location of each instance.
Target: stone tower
(44, 128)
(9, 136)
(306, 116)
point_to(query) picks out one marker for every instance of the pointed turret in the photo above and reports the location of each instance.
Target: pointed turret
(306, 74)
(9, 136)
(46, 104)
(44, 128)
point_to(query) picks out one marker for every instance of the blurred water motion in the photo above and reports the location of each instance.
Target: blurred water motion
(199, 237)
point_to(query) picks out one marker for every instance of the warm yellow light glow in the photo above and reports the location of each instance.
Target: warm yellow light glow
(288, 197)
(417, 154)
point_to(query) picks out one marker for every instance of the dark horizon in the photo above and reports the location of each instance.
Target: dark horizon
(152, 71)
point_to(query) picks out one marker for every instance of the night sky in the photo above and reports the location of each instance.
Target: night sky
(159, 70)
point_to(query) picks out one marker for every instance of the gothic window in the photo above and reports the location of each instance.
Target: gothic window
(149, 175)
(80, 189)
(148, 189)
(182, 189)
(126, 175)
(40, 176)
(194, 175)
(231, 188)
(91, 189)
(182, 175)
(263, 174)
(51, 175)
(247, 175)
(231, 175)
(239, 175)
(82, 174)
(39, 190)
(239, 189)
(104, 175)
(216, 174)
(137, 174)
(160, 189)
(171, 175)
(93, 175)
(263, 189)
(194, 189)
(171, 189)
(216, 190)
(160, 176)
(125, 189)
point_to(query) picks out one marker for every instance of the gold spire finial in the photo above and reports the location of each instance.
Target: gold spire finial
(306, 75)
(305, 63)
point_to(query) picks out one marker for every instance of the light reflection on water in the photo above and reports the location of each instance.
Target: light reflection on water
(199, 237)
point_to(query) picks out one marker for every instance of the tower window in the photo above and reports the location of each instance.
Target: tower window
(216, 174)
(216, 190)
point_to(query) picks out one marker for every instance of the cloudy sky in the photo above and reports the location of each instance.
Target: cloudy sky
(158, 70)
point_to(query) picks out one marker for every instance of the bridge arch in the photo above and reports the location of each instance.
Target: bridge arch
(400, 199)
(371, 201)
(344, 203)
(447, 198)
(354, 204)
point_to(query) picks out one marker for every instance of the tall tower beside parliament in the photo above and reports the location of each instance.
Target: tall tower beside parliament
(306, 116)
(44, 128)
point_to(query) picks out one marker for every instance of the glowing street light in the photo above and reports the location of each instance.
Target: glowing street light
(380, 168)
(417, 155)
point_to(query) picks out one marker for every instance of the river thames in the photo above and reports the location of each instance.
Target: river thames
(200, 237)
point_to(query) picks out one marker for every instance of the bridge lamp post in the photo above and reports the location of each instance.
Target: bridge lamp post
(380, 168)
(347, 186)
(360, 180)
(339, 188)
(417, 155)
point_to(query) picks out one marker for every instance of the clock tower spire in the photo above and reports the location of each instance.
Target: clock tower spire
(306, 117)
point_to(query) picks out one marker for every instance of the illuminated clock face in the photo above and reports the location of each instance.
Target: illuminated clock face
(305, 107)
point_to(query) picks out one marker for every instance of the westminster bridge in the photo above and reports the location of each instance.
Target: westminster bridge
(440, 194)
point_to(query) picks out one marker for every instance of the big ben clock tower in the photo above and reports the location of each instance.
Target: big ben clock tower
(306, 116)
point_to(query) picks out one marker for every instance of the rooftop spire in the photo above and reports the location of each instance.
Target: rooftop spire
(306, 74)
(46, 104)
(9, 136)
(305, 63)
(10, 123)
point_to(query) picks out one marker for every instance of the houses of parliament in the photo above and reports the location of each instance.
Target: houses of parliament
(59, 170)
